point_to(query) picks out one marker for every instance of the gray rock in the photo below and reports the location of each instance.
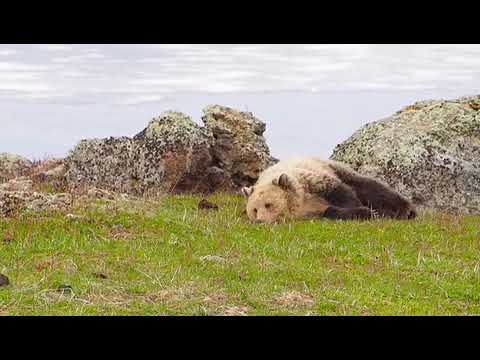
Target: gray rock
(4, 280)
(213, 258)
(12, 166)
(239, 147)
(51, 171)
(17, 184)
(12, 202)
(161, 158)
(174, 154)
(429, 152)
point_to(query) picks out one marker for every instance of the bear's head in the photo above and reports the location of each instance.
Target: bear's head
(272, 201)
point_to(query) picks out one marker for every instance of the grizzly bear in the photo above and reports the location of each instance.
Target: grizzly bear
(314, 188)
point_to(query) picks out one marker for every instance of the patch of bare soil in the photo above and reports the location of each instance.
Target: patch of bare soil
(294, 299)
(234, 311)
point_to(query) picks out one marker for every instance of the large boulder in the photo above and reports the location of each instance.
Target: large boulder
(239, 148)
(429, 151)
(174, 154)
(161, 158)
(12, 166)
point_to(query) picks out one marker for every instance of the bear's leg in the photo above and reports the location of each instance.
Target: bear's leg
(342, 196)
(343, 204)
(340, 213)
(383, 199)
(378, 196)
(356, 213)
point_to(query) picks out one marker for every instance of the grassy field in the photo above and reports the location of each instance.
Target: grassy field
(167, 257)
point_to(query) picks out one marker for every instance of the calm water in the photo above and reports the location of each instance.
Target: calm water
(297, 123)
(311, 96)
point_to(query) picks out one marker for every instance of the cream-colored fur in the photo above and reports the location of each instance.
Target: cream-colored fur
(268, 202)
(307, 172)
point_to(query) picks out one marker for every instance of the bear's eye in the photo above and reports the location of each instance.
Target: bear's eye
(255, 211)
(268, 206)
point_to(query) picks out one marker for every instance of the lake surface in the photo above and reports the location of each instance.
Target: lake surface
(312, 97)
(298, 124)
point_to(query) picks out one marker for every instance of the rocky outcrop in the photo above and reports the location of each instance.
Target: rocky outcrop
(429, 151)
(24, 183)
(12, 166)
(18, 184)
(49, 171)
(12, 202)
(238, 148)
(174, 154)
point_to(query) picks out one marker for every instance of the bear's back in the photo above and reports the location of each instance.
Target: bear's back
(297, 168)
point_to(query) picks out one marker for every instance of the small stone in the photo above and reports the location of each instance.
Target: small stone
(65, 289)
(213, 258)
(96, 193)
(242, 276)
(475, 106)
(100, 275)
(207, 205)
(4, 281)
(73, 217)
(7, 238)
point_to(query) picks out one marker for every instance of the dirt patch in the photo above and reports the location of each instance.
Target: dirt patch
(218, 298)
(7, 238)
(218, 304)
(234, 311)
(119, 232)
(44, 265)
(213, 259)
(169, 296)
(294, 300)
(65, 289)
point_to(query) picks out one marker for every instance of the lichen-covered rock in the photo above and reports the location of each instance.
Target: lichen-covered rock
(95, 193)
(104, 162)
(163, 157)
(429, 151)
(17, 184)
(50, 170)
(174, 154)
(12, 166)
(12, 202)
(239, 148)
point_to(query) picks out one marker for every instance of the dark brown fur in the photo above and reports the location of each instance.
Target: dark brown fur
(372, 194)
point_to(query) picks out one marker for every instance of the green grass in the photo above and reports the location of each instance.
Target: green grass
(134, 258)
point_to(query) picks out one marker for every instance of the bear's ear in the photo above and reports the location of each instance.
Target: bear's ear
(284, 182)
(247, 191)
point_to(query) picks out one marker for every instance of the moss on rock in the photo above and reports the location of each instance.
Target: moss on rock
(12, 166)
(429, 151)
(174, 154)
